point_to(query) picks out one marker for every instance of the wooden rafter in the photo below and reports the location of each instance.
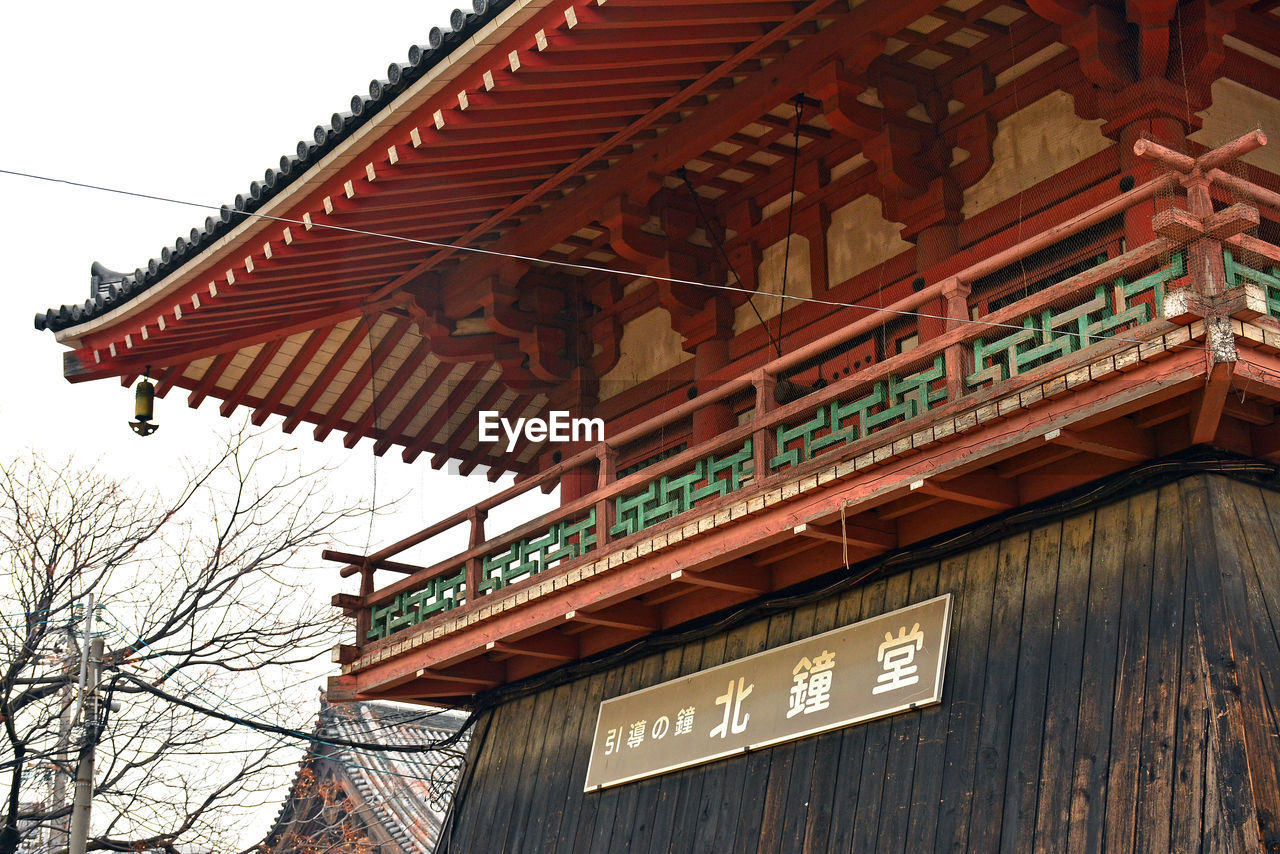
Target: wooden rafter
(290, 375)
(250, 376)
(211, 376)
(387, 393)
(394, 432)
(441, 416)
(364, 376)
(463, 433)
(318, 386)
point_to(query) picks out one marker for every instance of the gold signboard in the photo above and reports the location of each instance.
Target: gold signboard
(866, 670)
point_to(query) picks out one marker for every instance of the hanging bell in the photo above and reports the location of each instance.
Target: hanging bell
(144, 400)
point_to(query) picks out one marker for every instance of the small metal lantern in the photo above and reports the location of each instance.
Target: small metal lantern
(144, 399)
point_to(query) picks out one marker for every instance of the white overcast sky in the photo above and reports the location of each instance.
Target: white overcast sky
(185, 100)
(189, 101)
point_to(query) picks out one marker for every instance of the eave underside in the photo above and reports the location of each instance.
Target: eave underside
(560, 143)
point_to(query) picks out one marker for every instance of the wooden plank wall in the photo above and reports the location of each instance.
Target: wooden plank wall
(1111, 685)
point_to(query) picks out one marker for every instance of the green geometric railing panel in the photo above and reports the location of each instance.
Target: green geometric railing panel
(1047, 336)
(1238, 273)
(1042, 338)
(840, 423)
(671, 495)
(532, 555)
(442, 593)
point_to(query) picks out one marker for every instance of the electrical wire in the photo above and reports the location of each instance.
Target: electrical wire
(315, 738)
(261, 726)
(1145, 475)
(123, 635)
(718, 240)
(587, 267)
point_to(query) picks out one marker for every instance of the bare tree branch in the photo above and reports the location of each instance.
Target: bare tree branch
(203, 593)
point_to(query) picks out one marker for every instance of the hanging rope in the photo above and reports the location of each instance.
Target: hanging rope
(718, 240)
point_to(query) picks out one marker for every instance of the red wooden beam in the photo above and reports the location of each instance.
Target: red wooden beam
(1206, 414)
(548, 645)
(1119, 439)
(260, 362)
(737, 577)
(442, 415)
(286, 380)
(524, 99)
(623, 18)
(851, 534)
(411, 409)
(980, 489)
(625, 615)
(363, 377)
(388, 393)
(246, 334)
(303, 407)
(465, 429)
(211, 376)
(168, 377)
(671, 43)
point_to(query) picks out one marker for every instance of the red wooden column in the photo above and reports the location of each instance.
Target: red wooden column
(959, 357)
(1169, 133)
(607, 474)
(364, 616)
(707, 334)
(763, 439)
(476, 517)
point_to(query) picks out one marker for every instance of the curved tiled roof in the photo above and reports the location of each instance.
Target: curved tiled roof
(109, 288)
(405, 795)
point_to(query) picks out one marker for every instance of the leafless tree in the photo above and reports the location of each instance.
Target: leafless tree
(202, 593)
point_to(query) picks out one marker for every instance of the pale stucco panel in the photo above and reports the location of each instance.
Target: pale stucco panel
(859, 238)
(649, 346)
(769, 282)
(1035, 143)
(1236, 110)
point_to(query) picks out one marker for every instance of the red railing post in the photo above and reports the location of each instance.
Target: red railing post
(476, 516)
(605, 507)
(958, 357)
(364, 617)
(762, 440)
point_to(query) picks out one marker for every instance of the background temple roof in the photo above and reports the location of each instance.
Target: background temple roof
(401, 797)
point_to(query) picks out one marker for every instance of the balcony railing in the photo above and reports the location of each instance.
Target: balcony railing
(1120, 297)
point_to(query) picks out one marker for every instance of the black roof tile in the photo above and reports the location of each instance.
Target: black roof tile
(422, 58)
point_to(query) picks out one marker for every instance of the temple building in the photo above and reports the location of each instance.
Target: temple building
(361, 801)
(908, 374)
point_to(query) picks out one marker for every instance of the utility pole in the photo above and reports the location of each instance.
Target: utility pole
(86, 710)
(58, 834)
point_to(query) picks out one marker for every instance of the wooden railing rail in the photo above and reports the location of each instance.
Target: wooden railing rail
(771, 418)
(772, 369)
(767, 416)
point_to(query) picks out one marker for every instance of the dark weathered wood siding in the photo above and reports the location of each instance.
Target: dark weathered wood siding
(1109, 686)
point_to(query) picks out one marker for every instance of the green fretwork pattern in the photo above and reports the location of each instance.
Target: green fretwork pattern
(1238, 273)
(840, 422)
(1048, 335)
(671, 495)
(1042, 338)
(532, 555)
(442, 593)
